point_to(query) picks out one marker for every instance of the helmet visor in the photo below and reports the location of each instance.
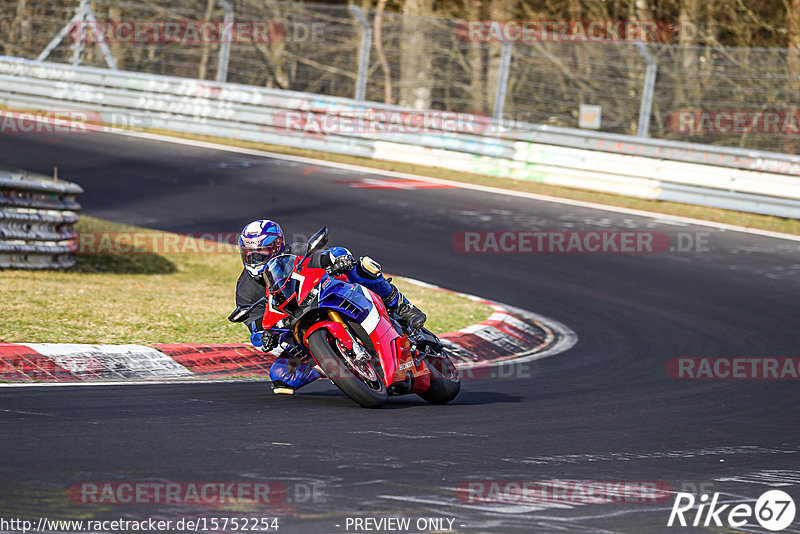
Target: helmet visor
(260, 255)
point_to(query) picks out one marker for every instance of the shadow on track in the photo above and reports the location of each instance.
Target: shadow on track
(258, 394)
(471, 398)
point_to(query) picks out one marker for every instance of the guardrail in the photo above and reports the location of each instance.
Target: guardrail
(37, 215)
(743, 180)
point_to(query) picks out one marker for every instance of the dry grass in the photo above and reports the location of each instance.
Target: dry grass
(153, 298)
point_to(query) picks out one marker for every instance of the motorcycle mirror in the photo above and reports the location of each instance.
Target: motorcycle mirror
(318, 240)
(238, 314)
(241, 312)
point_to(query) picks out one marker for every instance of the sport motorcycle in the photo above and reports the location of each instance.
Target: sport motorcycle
(367, 351)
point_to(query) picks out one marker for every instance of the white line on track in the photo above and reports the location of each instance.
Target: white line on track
(143, 382)
(461, 185)
(27, 413)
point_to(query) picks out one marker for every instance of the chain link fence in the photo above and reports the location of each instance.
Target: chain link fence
(720, 96)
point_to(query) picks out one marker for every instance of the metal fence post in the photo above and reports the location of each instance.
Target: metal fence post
(82, 14)
(502, 81)
(79, 44)
(363, 55)
(109, 57)
(225, 47)
(647, 94)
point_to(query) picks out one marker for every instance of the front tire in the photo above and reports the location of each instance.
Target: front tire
(325, 349)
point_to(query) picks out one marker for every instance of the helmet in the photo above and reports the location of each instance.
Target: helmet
(259, 242)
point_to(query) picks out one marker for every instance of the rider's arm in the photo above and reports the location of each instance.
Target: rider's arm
(336, 260)
(248, 291)
(263, 340)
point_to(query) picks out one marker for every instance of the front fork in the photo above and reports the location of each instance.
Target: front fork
(339, 328)
(350, 341)
(334, 316)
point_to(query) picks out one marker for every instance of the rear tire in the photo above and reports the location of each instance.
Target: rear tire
(323, 347)
(445, 382)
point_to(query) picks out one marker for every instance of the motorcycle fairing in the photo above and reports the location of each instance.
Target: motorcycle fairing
(344, 297)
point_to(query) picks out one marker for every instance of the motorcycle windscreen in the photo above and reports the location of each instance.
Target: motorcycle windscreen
(279, 271)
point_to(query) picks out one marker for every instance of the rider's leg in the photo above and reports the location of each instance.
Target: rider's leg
(289, 374)
(367, 272)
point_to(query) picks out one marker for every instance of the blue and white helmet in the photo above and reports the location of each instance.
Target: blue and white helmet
(259, 242)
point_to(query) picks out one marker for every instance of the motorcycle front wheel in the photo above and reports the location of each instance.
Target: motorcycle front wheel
(358, 379)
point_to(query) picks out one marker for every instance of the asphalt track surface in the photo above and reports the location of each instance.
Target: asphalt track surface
(606, 410)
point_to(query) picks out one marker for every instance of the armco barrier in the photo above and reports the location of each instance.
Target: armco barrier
(37, 215)
(727, 178)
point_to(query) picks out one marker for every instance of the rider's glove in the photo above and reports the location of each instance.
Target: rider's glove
(340, 264)
(264, 340)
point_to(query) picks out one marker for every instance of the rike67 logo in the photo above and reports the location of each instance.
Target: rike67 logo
(774, 510)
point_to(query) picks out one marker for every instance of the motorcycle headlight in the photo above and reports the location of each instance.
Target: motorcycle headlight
(311, 297)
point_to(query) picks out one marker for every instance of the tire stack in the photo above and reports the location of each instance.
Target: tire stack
(37, 217)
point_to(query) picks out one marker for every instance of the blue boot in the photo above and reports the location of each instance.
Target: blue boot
(290, 374)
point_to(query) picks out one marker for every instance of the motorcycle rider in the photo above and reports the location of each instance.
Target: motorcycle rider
(262, 240)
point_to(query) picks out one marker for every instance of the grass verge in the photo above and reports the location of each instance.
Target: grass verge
(150, 298)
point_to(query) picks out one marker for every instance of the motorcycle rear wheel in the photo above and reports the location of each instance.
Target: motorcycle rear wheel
(445, 382)
(369, 394)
